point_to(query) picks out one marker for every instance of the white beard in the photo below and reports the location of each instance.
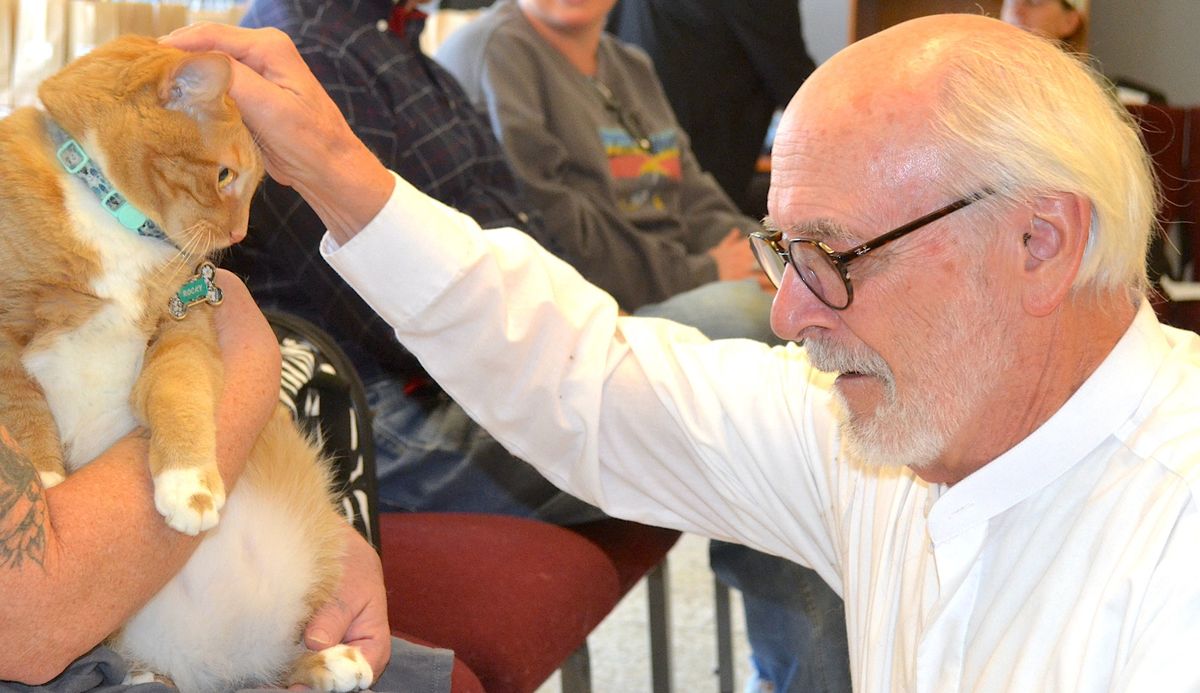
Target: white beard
(953, 374)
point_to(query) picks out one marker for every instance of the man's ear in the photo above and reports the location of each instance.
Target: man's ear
(1052, 249)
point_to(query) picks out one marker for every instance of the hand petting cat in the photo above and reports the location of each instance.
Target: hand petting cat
(306, 142)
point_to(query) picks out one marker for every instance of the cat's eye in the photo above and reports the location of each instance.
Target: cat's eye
(225, 176)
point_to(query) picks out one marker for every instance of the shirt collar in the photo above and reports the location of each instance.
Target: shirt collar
(406, 23)
(1106, 401)
(379, 13)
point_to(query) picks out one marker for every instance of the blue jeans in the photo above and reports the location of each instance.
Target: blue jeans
(795, 623)
(721, 310)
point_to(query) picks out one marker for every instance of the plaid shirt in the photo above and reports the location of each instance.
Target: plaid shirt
(416, 119)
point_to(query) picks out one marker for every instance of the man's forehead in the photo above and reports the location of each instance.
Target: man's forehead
(831, 184)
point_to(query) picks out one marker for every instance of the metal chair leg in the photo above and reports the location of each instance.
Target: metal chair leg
(724, 637)
(658, 599)
(576, 672)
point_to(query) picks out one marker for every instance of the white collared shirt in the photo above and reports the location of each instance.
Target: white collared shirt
(1070, 563)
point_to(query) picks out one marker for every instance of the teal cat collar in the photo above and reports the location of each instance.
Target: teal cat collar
(201, 288)
(77, 162)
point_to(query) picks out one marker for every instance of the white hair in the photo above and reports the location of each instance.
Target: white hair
(1023, 117)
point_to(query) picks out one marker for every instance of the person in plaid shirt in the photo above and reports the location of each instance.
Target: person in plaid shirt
(415, 118)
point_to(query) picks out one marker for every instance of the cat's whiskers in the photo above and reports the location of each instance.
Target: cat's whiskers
(190, 245)
(195, 238)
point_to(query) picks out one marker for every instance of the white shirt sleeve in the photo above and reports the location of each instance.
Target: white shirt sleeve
(645, 418)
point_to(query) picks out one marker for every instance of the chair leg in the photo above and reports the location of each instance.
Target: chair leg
(658, 598)
(724, 637)
(576, 672)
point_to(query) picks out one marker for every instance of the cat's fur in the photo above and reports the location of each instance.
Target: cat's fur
(88, 351)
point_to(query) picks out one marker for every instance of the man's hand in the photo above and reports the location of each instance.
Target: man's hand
(306, 142)
(357, 614)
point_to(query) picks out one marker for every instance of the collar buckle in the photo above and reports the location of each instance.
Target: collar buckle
(72, 156)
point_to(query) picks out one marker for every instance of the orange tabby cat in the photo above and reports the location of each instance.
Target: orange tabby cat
(138, 168)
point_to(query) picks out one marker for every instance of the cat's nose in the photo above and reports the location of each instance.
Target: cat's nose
(237, 235)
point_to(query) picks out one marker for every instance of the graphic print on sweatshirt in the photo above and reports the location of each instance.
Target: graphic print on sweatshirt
(643, 180)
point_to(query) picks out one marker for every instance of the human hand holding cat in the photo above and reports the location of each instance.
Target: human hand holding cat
(306, 142)
(357, 614)
(251, 359)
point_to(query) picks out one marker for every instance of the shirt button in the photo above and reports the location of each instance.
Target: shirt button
(381, 25)
(523, 217)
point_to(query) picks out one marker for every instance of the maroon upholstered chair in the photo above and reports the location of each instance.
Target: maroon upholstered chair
(1170, 136)
(514, 598)
(1182, 314)
(1191, 202)
(1164, 132)
(638, 550)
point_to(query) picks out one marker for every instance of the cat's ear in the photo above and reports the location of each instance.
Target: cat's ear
(197, 85)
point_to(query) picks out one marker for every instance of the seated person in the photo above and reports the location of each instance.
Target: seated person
(588, 129)
(727, 68)
(81, 543)
(430, 455)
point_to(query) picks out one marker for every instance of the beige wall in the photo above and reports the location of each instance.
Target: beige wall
(1151, 41)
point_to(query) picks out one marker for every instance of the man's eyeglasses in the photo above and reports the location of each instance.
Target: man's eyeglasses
(825, 271)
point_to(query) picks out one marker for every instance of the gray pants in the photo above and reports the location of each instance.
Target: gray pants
(412, 669)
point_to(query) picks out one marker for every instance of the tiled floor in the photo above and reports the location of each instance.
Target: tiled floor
(620, 649)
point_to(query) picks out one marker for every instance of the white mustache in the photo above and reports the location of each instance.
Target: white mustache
(832, 358)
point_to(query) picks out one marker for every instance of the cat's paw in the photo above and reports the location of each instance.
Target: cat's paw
(139, 676)
(339, 669)
(189, 498)
(51, 479)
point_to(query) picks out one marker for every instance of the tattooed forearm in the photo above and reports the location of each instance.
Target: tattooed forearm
(22, 508)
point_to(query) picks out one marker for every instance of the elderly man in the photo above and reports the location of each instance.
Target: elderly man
(987, 443)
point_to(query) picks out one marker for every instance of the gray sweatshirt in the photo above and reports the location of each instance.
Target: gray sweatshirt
(603, 158)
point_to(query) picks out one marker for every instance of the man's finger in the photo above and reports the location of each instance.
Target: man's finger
(250, 46)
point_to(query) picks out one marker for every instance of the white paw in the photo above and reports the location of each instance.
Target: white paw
(187, 499)
(134, 678)
(51, 479)
(345, 670)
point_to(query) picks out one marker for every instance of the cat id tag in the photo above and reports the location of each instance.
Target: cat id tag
(200, 288)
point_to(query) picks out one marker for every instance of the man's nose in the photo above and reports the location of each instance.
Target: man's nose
(796, 308)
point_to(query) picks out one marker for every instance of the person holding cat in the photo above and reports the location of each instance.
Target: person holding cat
(119, 343)
(97, 539)
(987, 442)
